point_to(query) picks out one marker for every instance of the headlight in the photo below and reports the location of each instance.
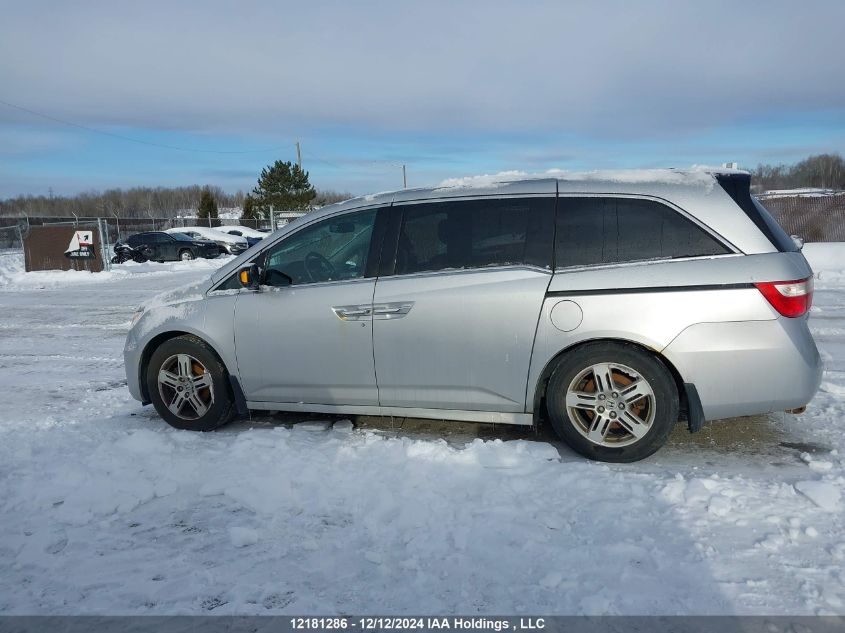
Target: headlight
(136, 316)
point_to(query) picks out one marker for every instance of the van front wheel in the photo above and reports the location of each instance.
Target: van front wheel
(612, 402)
(188, 385)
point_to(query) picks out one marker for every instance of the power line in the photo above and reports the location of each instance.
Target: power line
(137, 140)
(130, 139)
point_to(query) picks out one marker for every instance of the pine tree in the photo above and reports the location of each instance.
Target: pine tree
(250, 212)
(208, 206)
(285, 186)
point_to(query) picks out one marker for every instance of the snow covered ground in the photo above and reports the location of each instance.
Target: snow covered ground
(106, 510)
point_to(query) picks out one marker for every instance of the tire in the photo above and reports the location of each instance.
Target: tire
(116, 260)
(186, 255)
(625, 421)
(206, 403)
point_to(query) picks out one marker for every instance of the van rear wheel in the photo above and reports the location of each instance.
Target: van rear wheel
(612, 402)
(188, 385)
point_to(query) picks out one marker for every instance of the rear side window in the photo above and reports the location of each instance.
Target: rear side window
(475, 234)
(593, 231)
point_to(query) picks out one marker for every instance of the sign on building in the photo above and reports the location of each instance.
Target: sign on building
(63, 248)
(81, 246)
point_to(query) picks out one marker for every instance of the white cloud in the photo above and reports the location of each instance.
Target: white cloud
(633, 70)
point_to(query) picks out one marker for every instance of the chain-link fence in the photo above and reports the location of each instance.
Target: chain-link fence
(13, 230)
(814, 218)
(11, 248)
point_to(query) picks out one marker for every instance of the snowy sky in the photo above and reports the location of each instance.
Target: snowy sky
(448, 88)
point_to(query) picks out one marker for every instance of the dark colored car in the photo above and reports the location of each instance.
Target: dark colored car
(160, 246)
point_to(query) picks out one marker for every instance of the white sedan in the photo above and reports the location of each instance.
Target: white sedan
(232, 244)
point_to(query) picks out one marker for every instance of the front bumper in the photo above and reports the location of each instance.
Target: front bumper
(234, 249)
(132, 365)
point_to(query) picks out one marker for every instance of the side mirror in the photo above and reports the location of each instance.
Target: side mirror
(249, 275)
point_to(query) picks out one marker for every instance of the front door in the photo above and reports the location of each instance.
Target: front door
(306, 335)
(455, 318)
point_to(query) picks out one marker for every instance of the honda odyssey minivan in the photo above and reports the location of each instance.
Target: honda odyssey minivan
(609, 305)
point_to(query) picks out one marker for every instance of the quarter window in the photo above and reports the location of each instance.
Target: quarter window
(330, 250)
(475, 234)
(613, 230)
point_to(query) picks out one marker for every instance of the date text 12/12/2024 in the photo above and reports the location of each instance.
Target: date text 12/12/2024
(416, 624)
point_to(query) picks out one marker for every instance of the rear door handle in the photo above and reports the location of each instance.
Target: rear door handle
(392, 310)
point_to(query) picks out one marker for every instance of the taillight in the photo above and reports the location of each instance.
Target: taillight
(789, 298)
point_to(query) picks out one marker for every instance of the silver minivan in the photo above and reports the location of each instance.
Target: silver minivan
(609, 305)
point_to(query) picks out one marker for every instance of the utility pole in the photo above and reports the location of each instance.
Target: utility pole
(404, 178)
(298, 155)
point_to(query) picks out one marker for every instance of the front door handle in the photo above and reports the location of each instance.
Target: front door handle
(352, 313)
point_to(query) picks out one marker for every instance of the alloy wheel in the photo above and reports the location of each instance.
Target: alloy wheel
(611, 404)
(185, 386)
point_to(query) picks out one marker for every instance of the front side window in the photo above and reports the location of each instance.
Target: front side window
(330, 250)
(475, 234)
(594, 231)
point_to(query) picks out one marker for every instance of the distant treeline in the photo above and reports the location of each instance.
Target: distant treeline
(825, 171)
(138, 202)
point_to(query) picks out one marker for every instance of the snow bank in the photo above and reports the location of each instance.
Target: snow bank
(824, 494)
(12, 275)
(803, 192)
(827, 259)
(242, 536)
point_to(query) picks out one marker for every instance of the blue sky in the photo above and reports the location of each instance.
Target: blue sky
(448, 89)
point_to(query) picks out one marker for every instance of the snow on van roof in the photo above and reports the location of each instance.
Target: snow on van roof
(695, 175)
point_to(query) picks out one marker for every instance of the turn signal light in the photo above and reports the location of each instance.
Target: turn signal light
(789, 298)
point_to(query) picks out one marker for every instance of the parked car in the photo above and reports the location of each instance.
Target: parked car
(162, 246)
(611, 307)
(252, 236)
(231, 244)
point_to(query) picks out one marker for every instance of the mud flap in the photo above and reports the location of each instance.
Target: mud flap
(238, 394)
(695, 412)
